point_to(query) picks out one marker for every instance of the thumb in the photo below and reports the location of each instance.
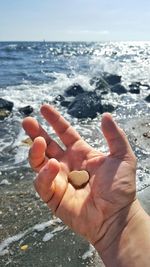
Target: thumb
(44, 181)
(115, 137)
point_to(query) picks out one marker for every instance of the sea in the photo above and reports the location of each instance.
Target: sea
(33, 73)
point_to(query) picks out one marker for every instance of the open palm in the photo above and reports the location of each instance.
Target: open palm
(88, 210)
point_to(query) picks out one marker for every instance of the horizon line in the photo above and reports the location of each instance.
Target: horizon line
(77, 41)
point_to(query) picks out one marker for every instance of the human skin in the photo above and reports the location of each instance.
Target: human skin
(105, 211)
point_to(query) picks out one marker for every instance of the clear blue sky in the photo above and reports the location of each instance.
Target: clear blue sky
(75, 20)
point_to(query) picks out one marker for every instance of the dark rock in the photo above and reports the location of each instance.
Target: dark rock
(147, 86)
(74, 90)
(147, 134)
(6, 105)
(65, 103)
(4, 113)
(100, 83)
(59, 98)
(104, 93)
(147, 98)
(85, 105)
(135, 91)
(112, 79)
(105, 81)
(27, 110)
(135, 88)
(108, 108)
(118, 89)
(5, 108)
(93, 80)
(135, 85)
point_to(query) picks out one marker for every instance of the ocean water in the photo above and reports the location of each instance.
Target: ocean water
(32, 73)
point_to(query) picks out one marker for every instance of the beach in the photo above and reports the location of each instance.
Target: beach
(36, 73)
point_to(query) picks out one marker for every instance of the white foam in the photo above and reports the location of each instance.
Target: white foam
(7, 242)
(4, 245)
(51, 234)
(41, 226)
(47, 237)
(35, 95)
(88, 253)
(5, 182)
(4, 252)
(58, 229)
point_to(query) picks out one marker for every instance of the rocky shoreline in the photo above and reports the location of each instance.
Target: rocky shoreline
(81, 103)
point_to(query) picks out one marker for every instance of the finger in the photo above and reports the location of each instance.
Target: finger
(44, 182)
(59, 189)
(37, 158)
(116, 138)
(64, 130)
(34, 129)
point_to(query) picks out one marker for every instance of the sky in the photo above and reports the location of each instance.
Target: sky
(74, 20)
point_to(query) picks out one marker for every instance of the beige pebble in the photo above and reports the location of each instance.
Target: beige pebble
(27, 141)
(24, 247)
(78, 178)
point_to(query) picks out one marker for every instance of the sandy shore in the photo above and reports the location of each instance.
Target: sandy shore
(21, 210)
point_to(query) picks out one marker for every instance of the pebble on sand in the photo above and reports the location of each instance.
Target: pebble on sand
(24, 247)
(27, 141)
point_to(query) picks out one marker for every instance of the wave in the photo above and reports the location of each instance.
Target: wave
(9, 58)
(14, 47)
(56, 49)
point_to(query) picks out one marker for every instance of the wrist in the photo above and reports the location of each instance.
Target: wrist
(121, 244)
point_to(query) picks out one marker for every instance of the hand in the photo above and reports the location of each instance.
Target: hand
(111, 189)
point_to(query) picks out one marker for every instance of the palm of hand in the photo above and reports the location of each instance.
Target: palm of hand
(109, 189)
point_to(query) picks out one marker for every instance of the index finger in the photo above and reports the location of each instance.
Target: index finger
(37, 157)
(62, 127)
(34, 129)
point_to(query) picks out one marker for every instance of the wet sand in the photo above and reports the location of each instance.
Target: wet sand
(21, 212)
(51, 244)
